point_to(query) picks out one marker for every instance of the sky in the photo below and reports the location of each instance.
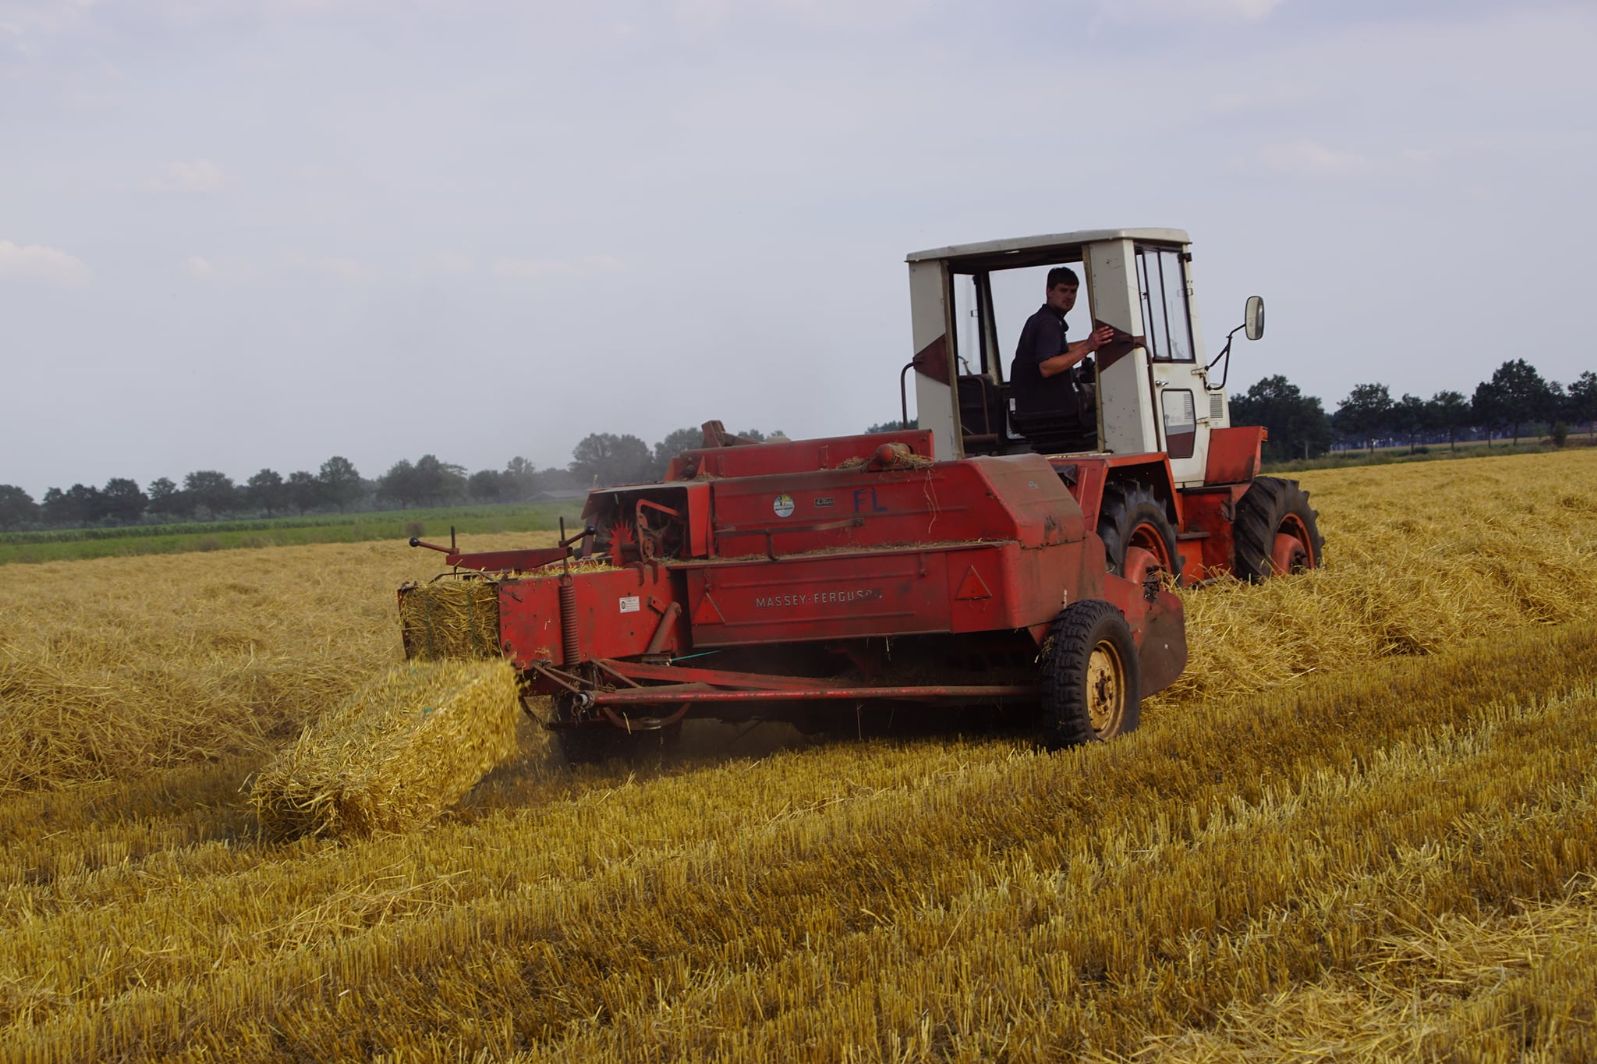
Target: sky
(238, 234)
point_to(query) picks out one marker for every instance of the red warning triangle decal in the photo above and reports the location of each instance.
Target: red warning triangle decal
(707, 612)
(972, 587)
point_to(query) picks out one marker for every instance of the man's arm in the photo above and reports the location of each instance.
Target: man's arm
(1074, 353)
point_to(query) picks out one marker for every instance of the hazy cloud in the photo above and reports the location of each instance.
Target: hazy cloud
(538, 269)
(199, 267)
(1310, 158)
(451, 263)
(199, 175)
(1143, 10)
(337, 267)
(36, 262)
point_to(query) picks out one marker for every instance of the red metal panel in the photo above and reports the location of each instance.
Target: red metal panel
(618, 612)
(1015, 498)
(496, 561)
(818, 597)
(794, 456)
(1210, 510)
(1234, 454)
(696, 693)
(1030, 490)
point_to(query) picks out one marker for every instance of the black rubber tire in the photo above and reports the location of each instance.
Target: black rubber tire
(1260, 513)
(589, 744)
(1126, 505)
(597, 741)
(1066, 713)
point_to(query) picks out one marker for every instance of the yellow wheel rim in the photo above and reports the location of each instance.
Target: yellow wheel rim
(1106, 688)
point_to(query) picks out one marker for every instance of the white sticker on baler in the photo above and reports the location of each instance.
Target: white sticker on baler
(630, 604)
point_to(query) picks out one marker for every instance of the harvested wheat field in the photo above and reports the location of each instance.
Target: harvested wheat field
(1362, 827)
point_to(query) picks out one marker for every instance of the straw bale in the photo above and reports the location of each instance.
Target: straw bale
(395, 754)
(451, 619)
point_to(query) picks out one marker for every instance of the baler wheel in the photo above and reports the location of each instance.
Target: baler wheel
(1275, 530)
(1138, 535)
(589, 744)
(1090, 680)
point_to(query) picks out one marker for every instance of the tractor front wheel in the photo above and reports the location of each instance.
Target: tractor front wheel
(1090, 680)
(1138, 535)
(1275, 530)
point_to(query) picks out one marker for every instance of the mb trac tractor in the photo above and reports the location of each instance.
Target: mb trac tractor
(981, 559)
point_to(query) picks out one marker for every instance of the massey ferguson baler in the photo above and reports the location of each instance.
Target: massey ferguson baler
(802, 580)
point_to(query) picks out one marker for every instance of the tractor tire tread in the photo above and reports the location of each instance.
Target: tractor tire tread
(1125, 505)
(1069, 645)
(1259, 514)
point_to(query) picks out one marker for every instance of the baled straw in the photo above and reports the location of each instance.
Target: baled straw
(395, 754)
(450, 619)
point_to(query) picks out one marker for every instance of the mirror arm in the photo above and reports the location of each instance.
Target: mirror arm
(1226, 350)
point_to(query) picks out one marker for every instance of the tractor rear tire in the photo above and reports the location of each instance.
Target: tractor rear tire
(1132, 516)
(1091, 688)
(1275, 531)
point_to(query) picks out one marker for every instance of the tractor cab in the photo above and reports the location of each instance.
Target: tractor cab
(1149, 391)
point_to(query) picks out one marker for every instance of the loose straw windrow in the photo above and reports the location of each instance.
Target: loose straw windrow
(395, 754)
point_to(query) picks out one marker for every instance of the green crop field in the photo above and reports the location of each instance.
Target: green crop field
(433, 524)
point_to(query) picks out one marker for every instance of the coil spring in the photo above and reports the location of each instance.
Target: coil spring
(568, 622)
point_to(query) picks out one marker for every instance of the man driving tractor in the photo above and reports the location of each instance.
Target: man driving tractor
(1041, 375)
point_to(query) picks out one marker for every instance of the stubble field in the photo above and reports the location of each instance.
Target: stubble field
(1363, 826)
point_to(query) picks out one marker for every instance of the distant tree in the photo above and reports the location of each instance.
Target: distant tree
(212, 490)
(436, 481)
(304, 491)
(891, 426)
(1297, 424)
(1365, 415)
(486, 485)
(399, 483)
(1515, 396)
(265, 491)
(520, 480)
(1555, 412)
(341, 481)
(1410, 418)
(168, 500)
(121, 500)
(604, 458)
(54, 508)
(1580, 401)
(1449, 412)
(675, 442)
(81, 504)
(17, 507)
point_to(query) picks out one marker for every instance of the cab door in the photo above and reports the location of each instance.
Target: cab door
(1184, 408)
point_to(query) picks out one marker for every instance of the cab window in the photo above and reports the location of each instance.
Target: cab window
(1162, 278)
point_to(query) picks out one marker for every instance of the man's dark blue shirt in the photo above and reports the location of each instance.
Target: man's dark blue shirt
(1042, 338)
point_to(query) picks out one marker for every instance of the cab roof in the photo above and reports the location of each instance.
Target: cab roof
(1034, 250)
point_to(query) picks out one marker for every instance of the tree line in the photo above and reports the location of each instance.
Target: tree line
(1514, 402)
(206, 494)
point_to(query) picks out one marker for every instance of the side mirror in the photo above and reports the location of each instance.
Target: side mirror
(1253, 317)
